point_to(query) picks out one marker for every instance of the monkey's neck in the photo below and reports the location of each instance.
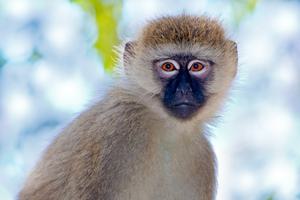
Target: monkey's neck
(144, 144)
(154, 118)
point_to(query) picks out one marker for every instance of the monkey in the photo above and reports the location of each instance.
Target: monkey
(147, 137)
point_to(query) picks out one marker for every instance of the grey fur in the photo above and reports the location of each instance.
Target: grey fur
(127, 147)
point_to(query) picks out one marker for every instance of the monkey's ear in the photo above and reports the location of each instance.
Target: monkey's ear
(234, 50)
(233, 45)
(129, 52)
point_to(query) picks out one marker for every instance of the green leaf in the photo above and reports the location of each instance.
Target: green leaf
(105, 14)
(243, 8)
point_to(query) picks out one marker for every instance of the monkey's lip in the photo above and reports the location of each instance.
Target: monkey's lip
(183, 110)
(183, 104)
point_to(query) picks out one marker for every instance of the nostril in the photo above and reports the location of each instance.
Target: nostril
(184, 91)
(189, 89)
(179, 90)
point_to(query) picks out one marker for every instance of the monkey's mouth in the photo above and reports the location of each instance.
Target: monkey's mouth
(183, 110)
(183, 104)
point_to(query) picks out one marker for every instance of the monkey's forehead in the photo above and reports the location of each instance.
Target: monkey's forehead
(183, 29)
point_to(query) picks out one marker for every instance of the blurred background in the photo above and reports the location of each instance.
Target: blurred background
(56, 57)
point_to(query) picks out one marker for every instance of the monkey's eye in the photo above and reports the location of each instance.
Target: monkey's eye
(168, 66)
(199, 68)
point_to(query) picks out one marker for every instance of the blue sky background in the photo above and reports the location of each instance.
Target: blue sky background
(49, 72)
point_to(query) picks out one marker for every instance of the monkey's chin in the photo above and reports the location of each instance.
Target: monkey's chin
(183, 111)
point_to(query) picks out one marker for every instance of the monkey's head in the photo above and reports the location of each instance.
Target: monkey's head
(186, 63)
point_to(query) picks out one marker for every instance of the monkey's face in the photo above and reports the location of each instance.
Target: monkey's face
(184, 64)
(187, 80)
(183, 78)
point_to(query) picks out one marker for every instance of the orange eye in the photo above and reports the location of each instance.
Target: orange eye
(197, 66)
(168, 66)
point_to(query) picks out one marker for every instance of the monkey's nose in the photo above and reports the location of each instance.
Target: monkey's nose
(184, 90)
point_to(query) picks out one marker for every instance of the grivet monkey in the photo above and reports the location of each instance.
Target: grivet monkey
(146, 138)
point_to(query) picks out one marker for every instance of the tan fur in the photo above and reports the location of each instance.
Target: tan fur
(183, 29)
(127, 146)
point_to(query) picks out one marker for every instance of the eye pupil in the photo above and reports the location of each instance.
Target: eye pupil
(168, 66)
(197, 67)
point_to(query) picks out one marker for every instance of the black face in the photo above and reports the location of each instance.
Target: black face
(183, 77)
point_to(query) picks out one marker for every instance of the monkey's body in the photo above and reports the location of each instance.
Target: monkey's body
(90, 160)
(145, 140)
